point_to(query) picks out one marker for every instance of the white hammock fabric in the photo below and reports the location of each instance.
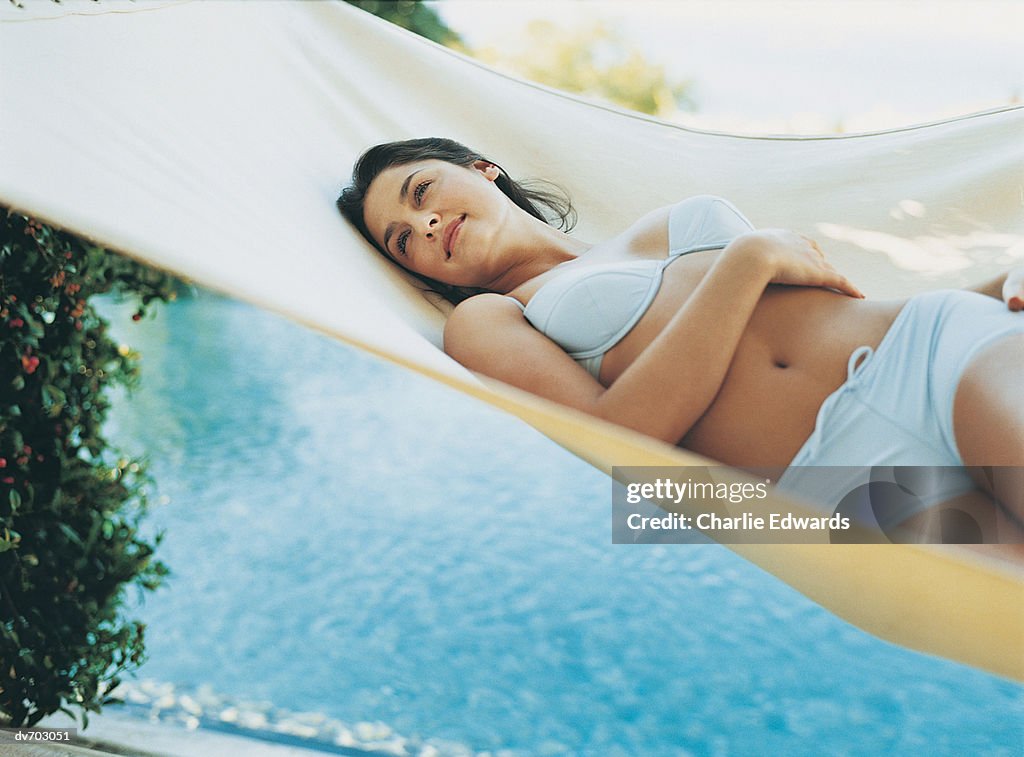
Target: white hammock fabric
(211, 139)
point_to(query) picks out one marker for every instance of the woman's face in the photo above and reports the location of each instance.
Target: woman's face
(439, 219)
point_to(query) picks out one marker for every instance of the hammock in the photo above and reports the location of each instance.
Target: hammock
(211, 139)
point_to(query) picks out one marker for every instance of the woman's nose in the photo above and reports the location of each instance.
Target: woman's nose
(431, 225)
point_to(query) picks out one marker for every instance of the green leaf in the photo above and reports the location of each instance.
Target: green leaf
(52, 393)
(69, 532)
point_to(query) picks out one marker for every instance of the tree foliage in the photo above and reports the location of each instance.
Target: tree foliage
(70, 503)
(411, 15)
(594, 61)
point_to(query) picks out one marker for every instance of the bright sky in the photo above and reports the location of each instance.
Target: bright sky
(800, 65)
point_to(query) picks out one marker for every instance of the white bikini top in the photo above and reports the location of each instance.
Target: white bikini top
(589, 309)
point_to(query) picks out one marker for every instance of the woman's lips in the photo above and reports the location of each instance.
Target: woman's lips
(450, 232)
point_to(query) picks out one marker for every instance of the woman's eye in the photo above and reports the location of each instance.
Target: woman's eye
(420, 189)
(402, 239)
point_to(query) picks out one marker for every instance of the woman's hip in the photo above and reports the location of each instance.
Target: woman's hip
(896, 407)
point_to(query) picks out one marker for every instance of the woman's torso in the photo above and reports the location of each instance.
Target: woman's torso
(792, 355)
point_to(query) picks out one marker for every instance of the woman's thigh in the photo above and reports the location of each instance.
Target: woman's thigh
(988, 419)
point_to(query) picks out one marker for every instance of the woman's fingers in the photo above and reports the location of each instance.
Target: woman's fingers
(801, 262)
(846, 286)
(839, 282)
(1013, 289)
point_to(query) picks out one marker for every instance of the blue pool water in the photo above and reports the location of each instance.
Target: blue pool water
(351, 540)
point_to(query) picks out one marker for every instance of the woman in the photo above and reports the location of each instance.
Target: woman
(743, 345)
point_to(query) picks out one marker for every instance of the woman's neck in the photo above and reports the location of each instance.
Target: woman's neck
(537, 250)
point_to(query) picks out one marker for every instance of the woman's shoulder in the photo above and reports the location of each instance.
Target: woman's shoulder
(480, 314)
(487, 333)
(483, 304)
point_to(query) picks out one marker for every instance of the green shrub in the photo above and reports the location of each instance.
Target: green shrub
(70, 504)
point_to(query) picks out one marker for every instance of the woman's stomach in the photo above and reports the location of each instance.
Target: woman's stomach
(792, 355)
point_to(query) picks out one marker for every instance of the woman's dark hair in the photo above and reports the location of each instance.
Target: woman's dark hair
(533, 197)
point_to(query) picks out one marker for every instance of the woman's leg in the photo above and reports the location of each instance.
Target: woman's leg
(988, 420)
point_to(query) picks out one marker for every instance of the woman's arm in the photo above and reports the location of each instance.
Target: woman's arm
(676, 378)
(696, 347)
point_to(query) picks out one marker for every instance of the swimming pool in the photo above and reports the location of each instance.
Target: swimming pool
(355, 542)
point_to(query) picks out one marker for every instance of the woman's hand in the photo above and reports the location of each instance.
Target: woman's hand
(795, 260)
(1013, 289)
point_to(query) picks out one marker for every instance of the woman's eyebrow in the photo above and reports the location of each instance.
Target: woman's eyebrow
(405, 185)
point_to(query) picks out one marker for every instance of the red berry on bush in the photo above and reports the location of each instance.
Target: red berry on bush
(137, 317)
(3, 462)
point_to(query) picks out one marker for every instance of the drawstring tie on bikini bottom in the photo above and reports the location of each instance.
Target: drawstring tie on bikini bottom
(854, 364)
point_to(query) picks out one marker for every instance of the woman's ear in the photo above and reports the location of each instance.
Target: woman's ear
(489, 170)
